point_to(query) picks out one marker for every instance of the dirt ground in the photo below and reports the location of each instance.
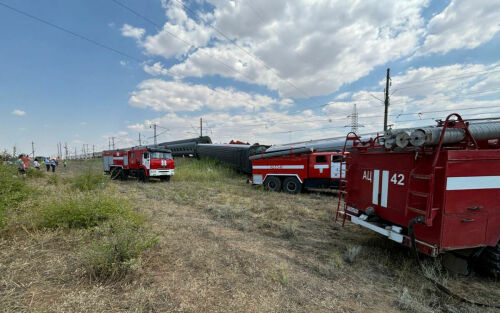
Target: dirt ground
(226, 246)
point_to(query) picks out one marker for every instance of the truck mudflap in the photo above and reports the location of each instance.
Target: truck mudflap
(392, 232)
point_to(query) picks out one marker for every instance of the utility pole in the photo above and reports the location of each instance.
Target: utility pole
(33, 149)
(76, 154)
(140, 143)
(109, 143)
(386, 100)
(154, 132)
(14, 151)
(113, 142)
(93, 151)
(201, 127)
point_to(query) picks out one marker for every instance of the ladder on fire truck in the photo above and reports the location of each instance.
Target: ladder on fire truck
(425, 195)
(342, 191)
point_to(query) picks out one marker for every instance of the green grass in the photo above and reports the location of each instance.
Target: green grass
(34, 173)
(118, 251)
(13, 189)
(84, 211)
(53, 179)
(205, 170)
(89, 180)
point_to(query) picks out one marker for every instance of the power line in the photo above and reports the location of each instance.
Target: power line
(92, 41)
(246, 51)
(451, 77)
(190, 44)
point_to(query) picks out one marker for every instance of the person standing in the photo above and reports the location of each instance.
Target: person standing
(47, 164)
(36, 164)
(53, 165)
(20, 166)
(65, 163)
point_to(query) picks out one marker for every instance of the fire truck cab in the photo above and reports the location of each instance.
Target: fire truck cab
(293, 172)
(140, 162)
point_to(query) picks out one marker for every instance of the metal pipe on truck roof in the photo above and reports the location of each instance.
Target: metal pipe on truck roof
(429, 136)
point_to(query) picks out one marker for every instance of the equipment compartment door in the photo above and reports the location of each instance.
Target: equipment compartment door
(146, 160)
(336, 164)
(464, 230)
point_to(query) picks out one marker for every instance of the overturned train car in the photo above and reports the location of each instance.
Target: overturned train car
(236, 156)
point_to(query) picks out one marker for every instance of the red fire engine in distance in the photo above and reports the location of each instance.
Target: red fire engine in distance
(141, 162)
(293, 172)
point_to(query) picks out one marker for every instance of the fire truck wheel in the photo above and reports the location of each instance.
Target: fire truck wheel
(272, 183)
(292, 185)
(142, 176)
(114, 173)
(488, 263)
(165, 178)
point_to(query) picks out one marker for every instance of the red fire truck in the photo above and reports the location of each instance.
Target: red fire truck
(142, 162)
(293, 171)
(441, 194)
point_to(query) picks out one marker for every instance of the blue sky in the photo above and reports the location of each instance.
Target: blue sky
(255, 71)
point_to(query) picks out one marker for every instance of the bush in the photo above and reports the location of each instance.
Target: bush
(118, 251)
(85, 212)
(13, 189)
(88, 181)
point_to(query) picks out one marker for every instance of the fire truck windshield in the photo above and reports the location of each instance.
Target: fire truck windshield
(161, 155)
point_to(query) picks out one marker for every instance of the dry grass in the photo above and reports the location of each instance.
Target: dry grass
(222, 246)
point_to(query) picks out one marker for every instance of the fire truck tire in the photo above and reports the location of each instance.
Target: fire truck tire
(165, 178)
(114, 172)
(272, 183)
(123, 174)
(292, 185)
(142, 176)
(488, 262)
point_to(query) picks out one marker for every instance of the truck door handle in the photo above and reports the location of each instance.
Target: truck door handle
(475, 208)
(467, 220)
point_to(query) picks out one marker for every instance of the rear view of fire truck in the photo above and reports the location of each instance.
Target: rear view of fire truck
(435, 189)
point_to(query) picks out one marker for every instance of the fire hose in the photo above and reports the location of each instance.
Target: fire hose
(438, 285)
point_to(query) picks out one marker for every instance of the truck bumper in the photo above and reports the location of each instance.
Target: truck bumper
(157, 173)
(391, 232)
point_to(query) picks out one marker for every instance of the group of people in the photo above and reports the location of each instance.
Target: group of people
(23, 162)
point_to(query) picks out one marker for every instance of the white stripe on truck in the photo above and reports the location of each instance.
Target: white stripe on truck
(279, 167)
(376, 174)
(385, 188)
(473, 182)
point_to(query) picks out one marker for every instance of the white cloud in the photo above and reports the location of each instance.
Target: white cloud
(463, 24)
(161, 95)
(316, 48)
(123, 63)
(179, 35)
(18, 112)
(132, 32)
(155, 69)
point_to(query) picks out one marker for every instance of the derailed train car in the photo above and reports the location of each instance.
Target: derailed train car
(185, 147)
(236, 156)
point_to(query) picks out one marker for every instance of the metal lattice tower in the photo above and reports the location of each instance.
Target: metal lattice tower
(354, 119)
